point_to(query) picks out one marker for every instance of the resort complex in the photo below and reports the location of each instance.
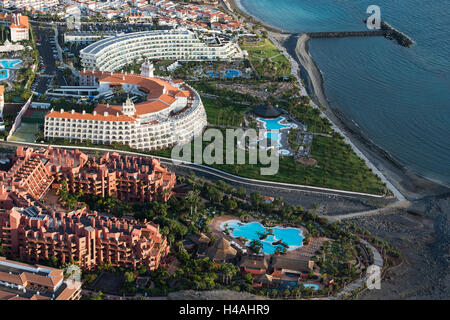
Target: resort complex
(171, 112)
(113, 53)
(83, 237)
(32, 231)
(21, 281)
(275, 195)
(129, 178)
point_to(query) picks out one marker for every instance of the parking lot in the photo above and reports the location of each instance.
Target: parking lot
(45, 42)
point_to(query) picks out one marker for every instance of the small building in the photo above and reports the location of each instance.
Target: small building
(201, 240)
(20, 28)
(254, 264)
(221, 252)
(268, 199)
(40, 105)
(265, 281)
(266, 111)
(21, 281)
(291, 267)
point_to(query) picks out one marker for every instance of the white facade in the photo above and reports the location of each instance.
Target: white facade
(179, 44)
(178, 123)
(84, 37)
(40, 5)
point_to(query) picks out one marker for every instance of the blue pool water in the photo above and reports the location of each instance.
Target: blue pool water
(4, 74)
(212, 74)
(10, 63)
(311, 285)
(274, 126)
(229, 74)
(287, 284)
(293, 237)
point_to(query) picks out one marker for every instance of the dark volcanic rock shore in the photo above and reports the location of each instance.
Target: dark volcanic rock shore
(422, 235)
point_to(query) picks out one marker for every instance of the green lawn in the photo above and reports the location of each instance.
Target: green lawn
(223, 112)
(260, 54)
(264, 49)
(338, 168)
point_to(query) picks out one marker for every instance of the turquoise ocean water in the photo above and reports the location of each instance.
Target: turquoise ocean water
(399, 97)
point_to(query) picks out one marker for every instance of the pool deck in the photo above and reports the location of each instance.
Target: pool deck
(217, 231)
(300, 253)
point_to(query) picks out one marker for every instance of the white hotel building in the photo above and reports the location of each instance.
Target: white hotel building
(177, 44)
(172, 113)
(40, 5)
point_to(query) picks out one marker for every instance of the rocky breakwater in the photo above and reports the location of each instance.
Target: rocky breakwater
(393, 34)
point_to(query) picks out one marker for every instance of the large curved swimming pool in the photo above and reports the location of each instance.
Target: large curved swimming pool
(274, 127)
(293, 237)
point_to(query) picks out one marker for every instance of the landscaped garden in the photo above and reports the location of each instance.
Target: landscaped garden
(266, 58)
(340, 259)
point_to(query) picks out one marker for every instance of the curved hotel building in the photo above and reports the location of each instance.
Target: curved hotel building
(176, 44)
(171, 112)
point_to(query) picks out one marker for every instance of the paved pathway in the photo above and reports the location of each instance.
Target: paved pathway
(403, 204)
(378, 262)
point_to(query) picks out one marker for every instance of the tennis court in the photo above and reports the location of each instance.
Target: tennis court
(26, 132)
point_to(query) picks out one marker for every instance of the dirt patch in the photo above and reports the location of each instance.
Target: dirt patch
(109, 282)
(307, 162)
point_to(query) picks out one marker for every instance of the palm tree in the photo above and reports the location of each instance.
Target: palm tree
(193, 198)
(228, 271)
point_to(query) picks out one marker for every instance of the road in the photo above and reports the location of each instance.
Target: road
(221, 174)
(45, 51)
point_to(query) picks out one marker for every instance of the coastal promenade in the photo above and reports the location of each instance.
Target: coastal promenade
(314, 73)
(377, 263)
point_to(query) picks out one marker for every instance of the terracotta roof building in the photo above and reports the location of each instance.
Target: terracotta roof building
(254, 264)
(129, 178)
(20, 26)
(20, 281)
(282, 265)
(171, 113)
(84, 237)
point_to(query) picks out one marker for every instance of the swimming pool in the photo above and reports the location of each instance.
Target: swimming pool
(293, 237)
(4, 74)
(212, 74)
(311, 285)
(10, 63)
(274, 126)
(229, 74)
